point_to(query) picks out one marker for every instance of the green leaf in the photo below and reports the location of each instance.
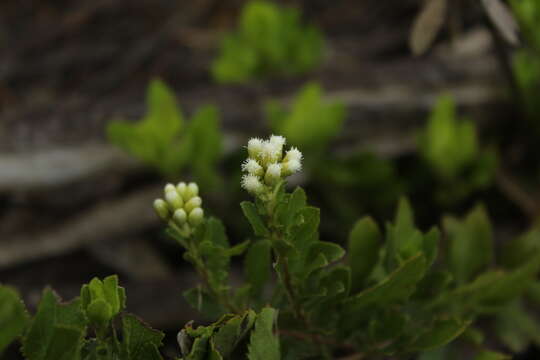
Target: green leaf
(440, 334)
(363, 251)
(312, 121)
(114, 294)
(207, 144)
(398, 286)
(54, 326)
(296, 203)
(250, 212)
(471, 244)
(516, 327)
(215, 233)
(65, 344)
(257, 265)
(139, 341)
(233, 332)
(13, 316)
(264, 343)
(517, 251)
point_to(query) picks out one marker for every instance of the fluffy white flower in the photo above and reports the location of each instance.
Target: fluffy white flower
(252, 184)
(255, 146)
(252, 167)
(278, 141)
(270, 153)
(293, 154)
(291, 166)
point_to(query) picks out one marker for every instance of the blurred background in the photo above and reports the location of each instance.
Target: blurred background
(103, 102)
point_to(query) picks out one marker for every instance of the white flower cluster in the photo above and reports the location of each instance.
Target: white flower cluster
(182, 205)
(266, 164)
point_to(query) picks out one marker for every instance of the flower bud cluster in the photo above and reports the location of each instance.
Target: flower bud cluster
(181, 205)
(266, 164)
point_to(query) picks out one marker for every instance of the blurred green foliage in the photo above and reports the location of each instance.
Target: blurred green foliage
(526, 61)
(311, 122)
(270, 40)
(451, 149)
(164, 140)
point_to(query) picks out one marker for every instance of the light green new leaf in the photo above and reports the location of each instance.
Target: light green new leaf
(312, 121)
(13, 316)
(207, 144)
(264, 342)
(471, 244)
(364, 246)
(250, 212)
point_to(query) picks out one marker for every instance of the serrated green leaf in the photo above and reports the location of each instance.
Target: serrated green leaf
(13, 316)
(65, 344)
(296, 202)
(363, 250)
(139, 341)
(250, 212)
(214, 232)
(471, 244)
(53, 318)
(398, 286)
(257, 265)
(264, 343)
(232, 333)
(440, 334)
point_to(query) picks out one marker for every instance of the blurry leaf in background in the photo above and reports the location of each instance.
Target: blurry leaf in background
(311, 123)
(448, 144)
(427, 25)
(517, 327)
(162, 140)
(13, 316)
(470, 244)
(270, 40)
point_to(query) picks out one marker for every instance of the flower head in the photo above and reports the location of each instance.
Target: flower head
(252, 184)
(266, 164)
(181, 206)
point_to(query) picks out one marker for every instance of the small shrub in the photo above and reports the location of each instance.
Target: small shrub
(270, 40)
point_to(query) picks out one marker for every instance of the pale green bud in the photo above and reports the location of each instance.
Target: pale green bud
(180, 216)
(174, 199)
(169, 187)
(191, 191)
(273, 174)
(196, 216)
(161, 208)
(193, 203)
(181, 188)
